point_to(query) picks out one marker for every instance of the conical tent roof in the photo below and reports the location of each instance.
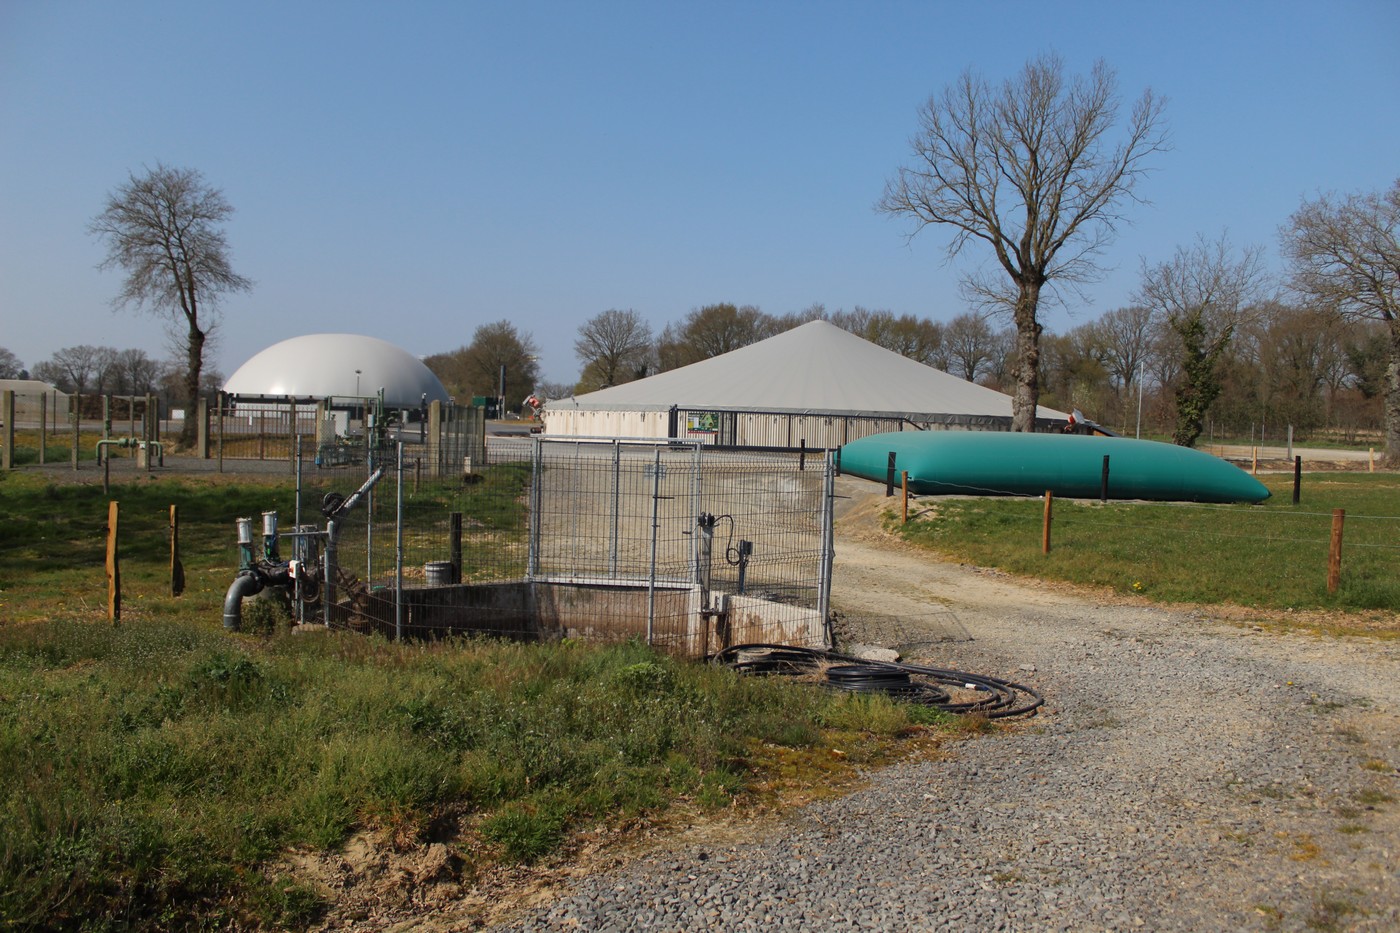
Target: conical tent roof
(817, 367)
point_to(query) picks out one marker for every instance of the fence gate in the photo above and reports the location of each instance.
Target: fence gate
(687, 546)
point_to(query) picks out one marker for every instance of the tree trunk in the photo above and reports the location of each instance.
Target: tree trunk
(189, 434)
(1027, 397)
(1392, 396)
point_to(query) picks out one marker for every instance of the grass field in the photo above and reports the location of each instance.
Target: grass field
(152, 772)
(1271, 556)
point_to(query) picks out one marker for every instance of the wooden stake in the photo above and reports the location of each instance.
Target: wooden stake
(114, 573)
(904, 486)
(1334, 554)
(1373, 460)
(1045, 534)
(177, 569)
(1254, 454)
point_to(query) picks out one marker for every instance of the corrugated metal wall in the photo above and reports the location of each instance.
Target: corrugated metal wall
(744, 428)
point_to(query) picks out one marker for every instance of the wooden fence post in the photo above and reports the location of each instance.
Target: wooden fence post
(7, 440)
(1297, 478)
(177, 569)
(1334, 554)
(1045, 533)
(114, 573)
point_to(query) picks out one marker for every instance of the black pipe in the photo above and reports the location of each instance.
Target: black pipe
(994, 698)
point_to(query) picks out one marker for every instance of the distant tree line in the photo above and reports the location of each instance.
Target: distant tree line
(1210, 347)
(96, 371)
(499, 362)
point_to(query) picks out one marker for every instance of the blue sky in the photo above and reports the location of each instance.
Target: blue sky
(413, 170)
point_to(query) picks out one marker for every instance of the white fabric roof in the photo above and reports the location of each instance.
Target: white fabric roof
(341, 365)
(817, 367)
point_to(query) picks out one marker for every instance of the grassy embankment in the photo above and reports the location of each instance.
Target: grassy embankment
(152, 773)
(1271, 557)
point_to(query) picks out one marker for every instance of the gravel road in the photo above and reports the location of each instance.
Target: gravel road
(1187, 774)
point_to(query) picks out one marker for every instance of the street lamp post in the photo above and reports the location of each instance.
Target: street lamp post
(1139, 418)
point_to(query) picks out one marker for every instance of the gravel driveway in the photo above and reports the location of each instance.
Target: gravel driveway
(1186, 775)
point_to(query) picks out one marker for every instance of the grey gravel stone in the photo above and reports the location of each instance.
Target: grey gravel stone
(1185, 775)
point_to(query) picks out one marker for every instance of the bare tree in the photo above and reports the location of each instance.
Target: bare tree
(1029, 170)
(971, 346)
(1298, 350)
(614, 347)
(163, 230)
(786, 322)
(1126, 337)
(1202, 297)
(1002, 361)
(550, 390)
(134, 373)
(855, 321)
(1346, 254)
(917, 338)
(77, 369)
(10, 366)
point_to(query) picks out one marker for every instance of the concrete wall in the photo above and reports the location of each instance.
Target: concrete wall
(758, 621)
(600, 613)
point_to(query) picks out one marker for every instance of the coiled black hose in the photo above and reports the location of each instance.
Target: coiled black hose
(993, 697)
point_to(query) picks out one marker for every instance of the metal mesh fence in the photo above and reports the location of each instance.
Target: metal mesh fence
(689, 548)
(348, 432)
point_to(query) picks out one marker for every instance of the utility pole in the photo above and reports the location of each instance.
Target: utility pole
(1139, 420)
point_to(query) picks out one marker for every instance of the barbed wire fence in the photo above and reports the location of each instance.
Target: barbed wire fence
(1278, 547)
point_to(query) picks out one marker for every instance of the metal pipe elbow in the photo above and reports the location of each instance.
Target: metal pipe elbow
(248, 583)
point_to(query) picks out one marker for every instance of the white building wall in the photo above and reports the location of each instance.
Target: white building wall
(571, 423)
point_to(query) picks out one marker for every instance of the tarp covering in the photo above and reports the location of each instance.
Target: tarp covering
(337, 365)
(817, 367)
(1002, 463)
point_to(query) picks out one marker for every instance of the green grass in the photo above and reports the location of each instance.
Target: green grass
(1269, 556)
(153, 773)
